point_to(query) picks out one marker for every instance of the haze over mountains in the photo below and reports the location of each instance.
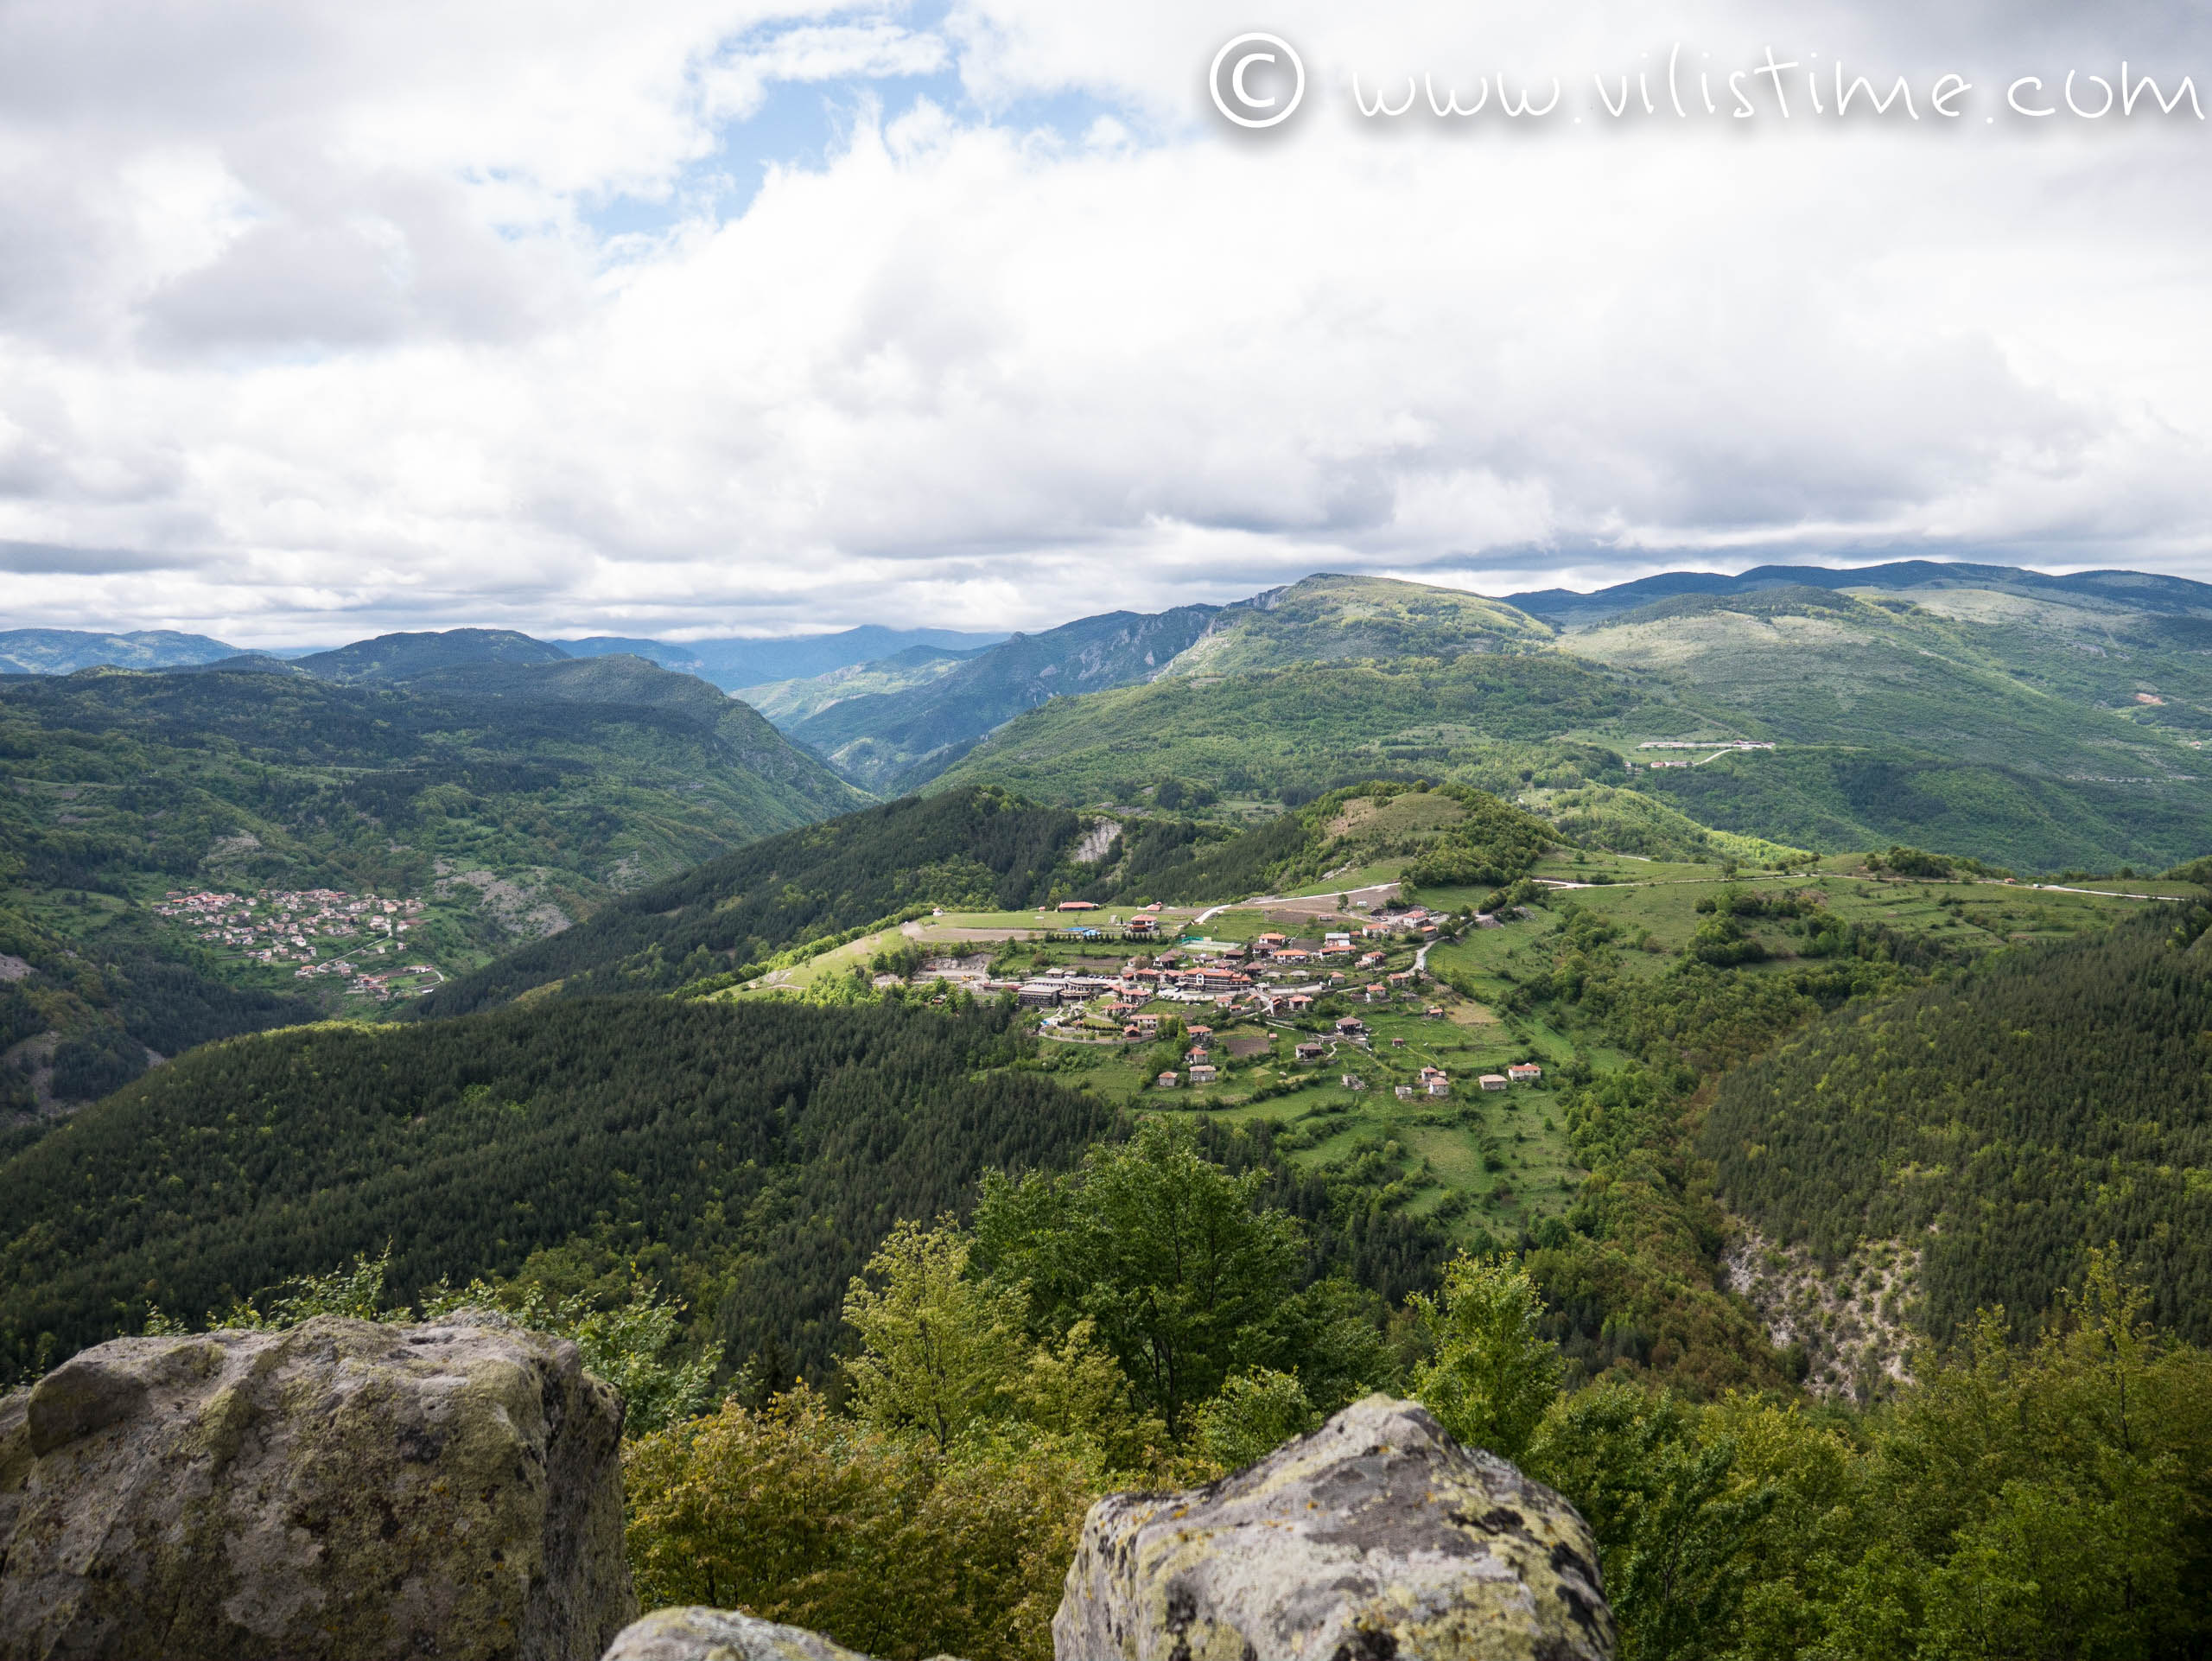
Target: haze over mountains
(726, 663)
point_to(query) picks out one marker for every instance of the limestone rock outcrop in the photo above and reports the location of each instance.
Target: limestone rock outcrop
(1378, 1536)
(342, 1489)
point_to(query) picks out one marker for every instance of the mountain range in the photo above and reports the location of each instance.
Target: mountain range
(2042, 722)
(727, 663)
(2037, 721)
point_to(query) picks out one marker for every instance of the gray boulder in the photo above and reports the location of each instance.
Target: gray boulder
(699, 1634)
(342, 1489)
(1378, 1536)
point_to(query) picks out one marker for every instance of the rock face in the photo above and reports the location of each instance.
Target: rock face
(696, 1634)
(340, 1490)
(1378, 1536)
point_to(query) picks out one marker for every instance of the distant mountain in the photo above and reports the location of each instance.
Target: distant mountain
(397, 657)
(791, 700)
(894, 740)
(897, 724)
(1329, 618)
(2038, 722)
(1290, 734)
(64, 651)
(2130, 590)
(737, 662)
(572, 781)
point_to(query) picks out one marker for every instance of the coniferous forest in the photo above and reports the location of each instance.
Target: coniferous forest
(2008, 1123)
(753, 1155)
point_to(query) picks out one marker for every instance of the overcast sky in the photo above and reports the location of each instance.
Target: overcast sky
(703, 317)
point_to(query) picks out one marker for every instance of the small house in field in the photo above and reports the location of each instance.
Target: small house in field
(1493, 1081)
(1312, 1052)
(1405, 1092)
(1525, 1073)
(1168, 1080)
(1300, 1002)
(1353, 1081)
(1202, 1074)
(1141, 926)
(1078, 905)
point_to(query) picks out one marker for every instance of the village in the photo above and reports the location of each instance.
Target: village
(327, 934)
(1265, 1004)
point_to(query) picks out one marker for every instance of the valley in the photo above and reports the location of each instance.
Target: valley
(492, 790)
(1617, 968)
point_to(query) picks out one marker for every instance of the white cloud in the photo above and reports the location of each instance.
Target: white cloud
(303, 310)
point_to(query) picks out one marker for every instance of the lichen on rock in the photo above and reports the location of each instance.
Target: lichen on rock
(341, 1489)
(694, 1634)
(1378, 1536)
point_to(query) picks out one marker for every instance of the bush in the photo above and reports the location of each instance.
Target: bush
(884, 1543)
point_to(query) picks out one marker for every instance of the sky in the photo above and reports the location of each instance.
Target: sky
(699, 317)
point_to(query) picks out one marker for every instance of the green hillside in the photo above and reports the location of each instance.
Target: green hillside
(485, 804)
(974, 848)
(1812, 666)
(2000, 1126)
(751, 1155)
(1959, 718)
(1831, 796)
(1481, 718)
(787, 702)
(2023, 728)
(1329, 618)
(606, 773)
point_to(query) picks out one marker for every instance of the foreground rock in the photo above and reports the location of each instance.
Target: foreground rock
(696, 1634)
(341, 1490)
(1378, 1536)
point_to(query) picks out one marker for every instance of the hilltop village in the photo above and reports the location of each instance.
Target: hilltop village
(1306, 1004)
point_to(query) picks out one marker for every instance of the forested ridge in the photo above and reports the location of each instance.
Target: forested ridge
(569, 766)
(751, 1156)
(2006, 1122)
(977, 848)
